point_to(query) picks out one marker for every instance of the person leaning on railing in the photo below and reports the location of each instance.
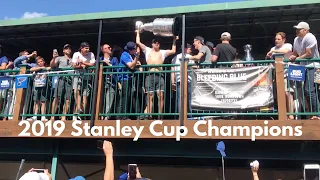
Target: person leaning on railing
(175, 78)
(3, 66)
(82, 60)
(64, 83)
(306, 47)
(40, 88)
(128, 62)
(204, 55)
(111, 83)
(11, 94)
(286, 48)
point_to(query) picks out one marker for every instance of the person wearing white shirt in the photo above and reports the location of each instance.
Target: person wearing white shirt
(305, 46)
(175, 77)
(286, 48)
(82, 60)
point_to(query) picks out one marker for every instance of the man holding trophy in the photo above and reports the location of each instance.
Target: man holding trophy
(154, 81)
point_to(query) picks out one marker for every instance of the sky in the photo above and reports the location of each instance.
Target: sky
(17, 9)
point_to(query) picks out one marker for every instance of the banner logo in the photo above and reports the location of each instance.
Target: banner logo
(296, 72)
(5, 82)
(21, 82)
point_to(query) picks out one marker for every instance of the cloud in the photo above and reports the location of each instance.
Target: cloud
(7, 18)
(28, 15)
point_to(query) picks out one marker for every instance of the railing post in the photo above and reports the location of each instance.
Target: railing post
(20, 97)
(54, 163)
(100, 90)
(281, 96)
(183, 80)
(96, 78)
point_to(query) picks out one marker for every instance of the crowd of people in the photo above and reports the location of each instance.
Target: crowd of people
(126, 92)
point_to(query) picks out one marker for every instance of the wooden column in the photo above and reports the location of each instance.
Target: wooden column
(20, 97)
(100, 92)
(281, 96)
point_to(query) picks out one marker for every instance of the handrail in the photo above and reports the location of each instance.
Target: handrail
(91, 73)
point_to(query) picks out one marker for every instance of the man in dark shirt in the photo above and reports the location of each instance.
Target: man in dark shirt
(224, 52)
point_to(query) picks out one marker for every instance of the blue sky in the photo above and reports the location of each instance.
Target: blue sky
(15, 9)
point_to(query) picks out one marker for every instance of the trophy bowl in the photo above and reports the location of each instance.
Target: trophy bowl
(247, 47)
(166, 27)
(139, 25)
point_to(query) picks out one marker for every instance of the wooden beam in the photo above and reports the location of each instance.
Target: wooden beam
(281, 95)
(100, 94)
(20, 97)
(226, 129)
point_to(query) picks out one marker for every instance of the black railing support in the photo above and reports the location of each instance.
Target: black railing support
(96, 78)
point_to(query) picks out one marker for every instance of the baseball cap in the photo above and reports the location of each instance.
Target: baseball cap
(130, 46)
(200, 39)
(66, 46)
(208, 43)
(187, 46)
(84, 44)
(156, 40)
(221, 148)
(302, 25)
(78, 178)
(226, 35)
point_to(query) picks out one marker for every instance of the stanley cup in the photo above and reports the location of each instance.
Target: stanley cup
(247, 49)
(160, 27)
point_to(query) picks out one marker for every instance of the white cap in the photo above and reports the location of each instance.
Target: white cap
(226, 35)
(302, 25)
(34, 176)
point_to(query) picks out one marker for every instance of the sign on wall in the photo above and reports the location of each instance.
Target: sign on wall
(5, 82)
(232, 88)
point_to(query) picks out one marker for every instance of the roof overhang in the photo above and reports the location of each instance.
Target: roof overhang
(256, 26)
(245, 4)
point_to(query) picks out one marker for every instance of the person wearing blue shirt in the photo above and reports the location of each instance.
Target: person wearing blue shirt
(111, 80)
(128, 61)
(23, 58)
(3, 60)
(3, 65)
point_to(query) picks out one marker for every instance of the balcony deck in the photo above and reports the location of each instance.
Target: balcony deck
(215, 122)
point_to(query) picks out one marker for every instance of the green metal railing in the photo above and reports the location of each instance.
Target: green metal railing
(303, 96)
(131, 98)
(7, 96)
(137, 106)
(65, 95)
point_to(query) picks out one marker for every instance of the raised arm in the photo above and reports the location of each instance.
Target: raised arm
(109, 169)
(132, 64)
(138, 41)
(174, 47)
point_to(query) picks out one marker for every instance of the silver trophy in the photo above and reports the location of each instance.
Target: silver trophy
(167, 27)
(247, 49)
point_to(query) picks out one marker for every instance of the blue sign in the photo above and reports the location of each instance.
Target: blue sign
(5, 82)
(21, 82)
(296, 72)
